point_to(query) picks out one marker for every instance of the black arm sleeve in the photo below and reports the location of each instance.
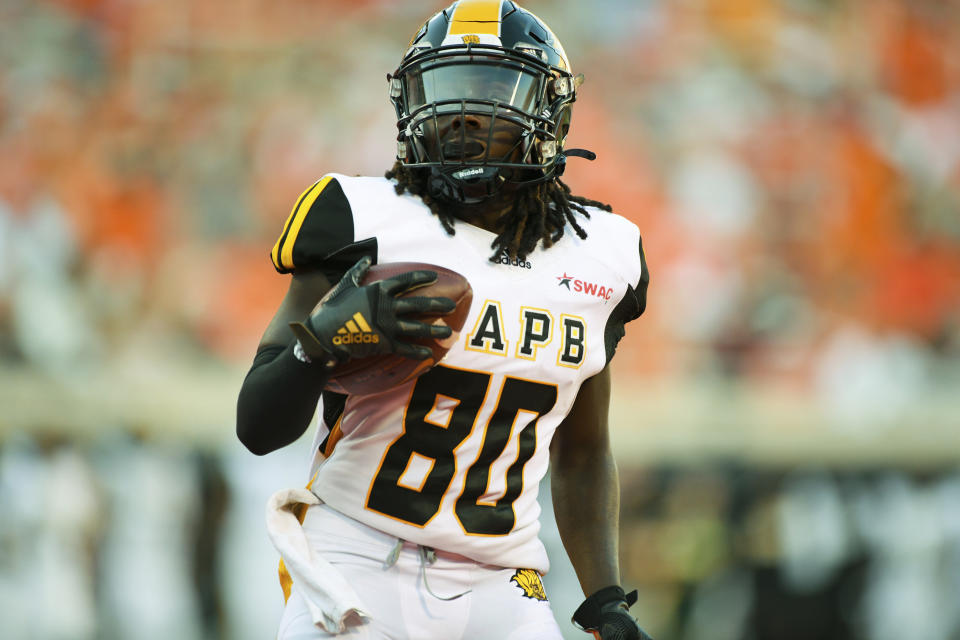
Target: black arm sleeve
(278, 399)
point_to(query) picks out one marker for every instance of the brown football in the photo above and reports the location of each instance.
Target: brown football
(379, 373)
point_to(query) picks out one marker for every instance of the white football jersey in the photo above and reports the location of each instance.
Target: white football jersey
(453, 459)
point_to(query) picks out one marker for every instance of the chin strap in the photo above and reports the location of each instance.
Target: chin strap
(460, 186)
(580, 153)
(561, 165)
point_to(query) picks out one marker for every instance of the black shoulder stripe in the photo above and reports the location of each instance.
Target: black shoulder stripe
(277, 247)
(627, 309)
(286, 225)
(320, 224)
(630, 307)
(643, 283)
(327, 227)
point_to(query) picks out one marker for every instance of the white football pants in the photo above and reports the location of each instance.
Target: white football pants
(413, 593)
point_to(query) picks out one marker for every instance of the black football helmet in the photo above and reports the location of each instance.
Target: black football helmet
(498, 64)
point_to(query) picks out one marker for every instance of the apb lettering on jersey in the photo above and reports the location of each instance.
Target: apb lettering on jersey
(574, 336)
(536, 330)
(487, 335)
(536, 327)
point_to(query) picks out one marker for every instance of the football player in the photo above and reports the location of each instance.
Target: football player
(421, 518)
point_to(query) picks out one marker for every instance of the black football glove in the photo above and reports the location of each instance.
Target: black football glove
(605, 615)
(356, 321)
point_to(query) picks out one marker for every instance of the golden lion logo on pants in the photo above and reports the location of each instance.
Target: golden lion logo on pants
(529, 581)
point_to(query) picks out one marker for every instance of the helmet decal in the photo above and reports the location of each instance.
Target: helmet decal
(476, 17)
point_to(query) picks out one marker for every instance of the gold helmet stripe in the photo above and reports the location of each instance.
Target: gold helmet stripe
(476, 17)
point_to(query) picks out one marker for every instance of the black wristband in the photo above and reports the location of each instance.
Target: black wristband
(587, 615)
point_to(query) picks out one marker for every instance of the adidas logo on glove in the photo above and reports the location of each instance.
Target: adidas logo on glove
(356, 331)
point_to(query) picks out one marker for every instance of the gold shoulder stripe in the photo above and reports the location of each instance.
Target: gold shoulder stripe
(476, 17)
(282, 254)
(275, 252)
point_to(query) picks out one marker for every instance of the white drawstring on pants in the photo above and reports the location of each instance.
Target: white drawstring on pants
(427, 557)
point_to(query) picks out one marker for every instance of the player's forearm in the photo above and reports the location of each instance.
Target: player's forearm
(586, 499)
(277, 400)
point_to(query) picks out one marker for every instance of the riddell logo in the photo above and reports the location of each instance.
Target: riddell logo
(582, 286)
(356, 331)
(468, 173)
(516, 262)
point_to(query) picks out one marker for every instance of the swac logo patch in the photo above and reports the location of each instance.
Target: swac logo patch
(471, 39)
(582, 286)
(529, 581)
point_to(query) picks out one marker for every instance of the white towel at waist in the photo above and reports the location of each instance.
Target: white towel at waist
(329, 597)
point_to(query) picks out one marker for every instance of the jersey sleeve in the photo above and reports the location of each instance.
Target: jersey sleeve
(630, 307)
(317, 232)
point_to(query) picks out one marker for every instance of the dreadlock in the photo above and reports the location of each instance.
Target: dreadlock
(540, 212)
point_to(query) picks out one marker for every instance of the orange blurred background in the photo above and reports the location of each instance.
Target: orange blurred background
(794, 166)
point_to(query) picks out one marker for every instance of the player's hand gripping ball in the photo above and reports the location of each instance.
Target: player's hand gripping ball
(384, 325)
(605, 615)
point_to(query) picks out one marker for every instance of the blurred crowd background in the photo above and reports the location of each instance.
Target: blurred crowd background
(786, 413)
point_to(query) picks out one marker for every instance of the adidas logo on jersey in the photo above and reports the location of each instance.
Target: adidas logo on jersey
(356, 331)
(516, 262)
